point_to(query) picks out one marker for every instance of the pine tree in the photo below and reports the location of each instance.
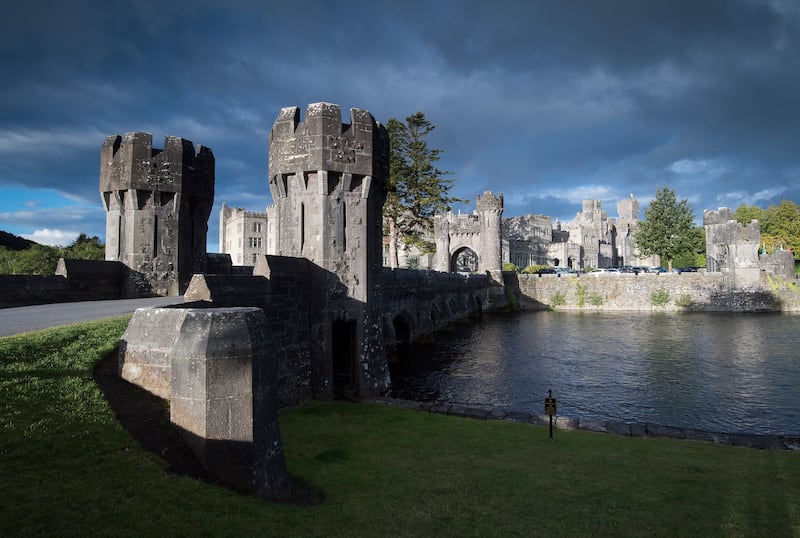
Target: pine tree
(667, 228)
(417, 189)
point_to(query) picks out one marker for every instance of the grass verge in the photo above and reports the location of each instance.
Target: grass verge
(67, 468)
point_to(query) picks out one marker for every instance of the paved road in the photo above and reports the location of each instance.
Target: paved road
(34, 318)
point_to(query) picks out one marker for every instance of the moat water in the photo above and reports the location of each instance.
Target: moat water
(715, 372)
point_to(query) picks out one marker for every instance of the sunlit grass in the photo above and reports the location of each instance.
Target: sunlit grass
(68, 468)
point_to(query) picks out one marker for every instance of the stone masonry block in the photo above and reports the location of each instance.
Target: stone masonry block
(224, 385)
(144, 349)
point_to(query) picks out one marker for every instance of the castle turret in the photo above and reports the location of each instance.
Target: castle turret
(732, 248)
(326, 179)
(490, 210)
(157, 204)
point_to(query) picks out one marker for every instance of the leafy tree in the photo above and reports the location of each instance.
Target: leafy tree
(86, 248)
(668, 227)
(780, 224)
(416, 189)
(36, 260)
(744, 214)
(42, 259)
(696, 256)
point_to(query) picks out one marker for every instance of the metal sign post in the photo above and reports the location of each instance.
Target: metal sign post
(550, 409)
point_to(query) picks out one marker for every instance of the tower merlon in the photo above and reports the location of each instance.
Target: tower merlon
(324, 142)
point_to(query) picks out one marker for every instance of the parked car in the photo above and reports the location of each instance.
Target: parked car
(604, 271)
(546, 271)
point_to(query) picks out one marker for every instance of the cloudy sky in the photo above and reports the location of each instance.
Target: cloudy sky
(548, 102)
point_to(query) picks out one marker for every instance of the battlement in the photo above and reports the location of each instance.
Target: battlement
(721, 227)
(591, 205)
(131, 162)
(720, 216)
(489, 202)
(241, 212)
(628, 210)
(323, 142)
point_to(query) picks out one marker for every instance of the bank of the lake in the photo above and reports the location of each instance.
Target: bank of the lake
(734, 373)
(669, 292)
(69, 469)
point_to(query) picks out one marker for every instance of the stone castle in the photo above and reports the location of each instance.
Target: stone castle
(243, 235)
(484, 240)
(480, 241)
(318, 316)
(317, 319)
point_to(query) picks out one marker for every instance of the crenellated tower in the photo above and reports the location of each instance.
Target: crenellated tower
(731, 247)
(327, 181)
(490, 211)
(157, 204)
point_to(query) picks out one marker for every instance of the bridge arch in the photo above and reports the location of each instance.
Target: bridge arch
(398, 331)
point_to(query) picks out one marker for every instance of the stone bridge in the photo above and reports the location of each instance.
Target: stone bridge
(417, 303)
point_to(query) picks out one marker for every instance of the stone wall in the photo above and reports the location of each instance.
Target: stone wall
(732, 247)
(289, 316)
(75, 280)
(24, 290)
(710, 292)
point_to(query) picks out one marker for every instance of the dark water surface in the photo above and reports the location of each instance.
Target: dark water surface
(715, 372)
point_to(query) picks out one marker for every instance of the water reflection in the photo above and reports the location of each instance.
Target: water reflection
(717, 372)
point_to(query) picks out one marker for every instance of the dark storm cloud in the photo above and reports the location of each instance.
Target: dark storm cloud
(545, 101)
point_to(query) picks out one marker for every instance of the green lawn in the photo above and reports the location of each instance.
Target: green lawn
(68, 468)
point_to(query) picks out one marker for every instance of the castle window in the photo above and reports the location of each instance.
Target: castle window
(257, 227)
(302, 226)
(344, 226)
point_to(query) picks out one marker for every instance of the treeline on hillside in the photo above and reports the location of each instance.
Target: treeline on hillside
(19, 256)
(780, 225)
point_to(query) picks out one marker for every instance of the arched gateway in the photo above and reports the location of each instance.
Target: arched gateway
(470, 243)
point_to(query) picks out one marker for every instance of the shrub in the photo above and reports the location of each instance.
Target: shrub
(684, 301)
(660, 297)
(596, 299)
(531, 269)
(580, 293)
(512, 303)
(508, 266)
(412, 262)
(559, 298)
